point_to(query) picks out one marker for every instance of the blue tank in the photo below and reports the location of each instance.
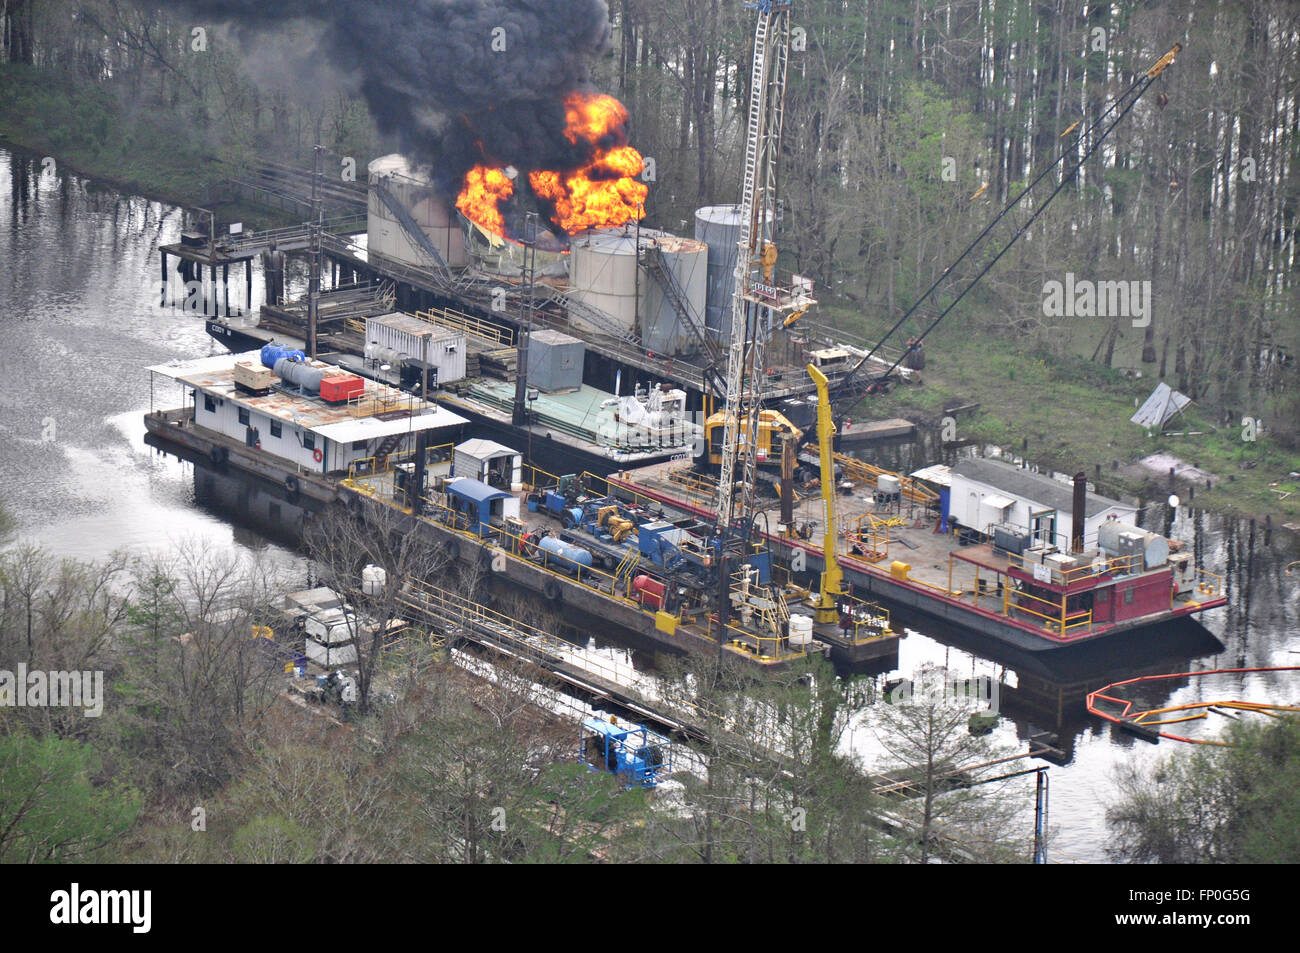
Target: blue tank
(275, 352)
(563, 556)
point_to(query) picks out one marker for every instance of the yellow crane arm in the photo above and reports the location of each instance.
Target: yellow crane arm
(833, 577)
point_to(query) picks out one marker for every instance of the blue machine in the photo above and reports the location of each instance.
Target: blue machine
(275, 352)
(557, 505)
(632, 752)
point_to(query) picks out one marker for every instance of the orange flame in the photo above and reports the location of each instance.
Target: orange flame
(482, 190)
(604, 193)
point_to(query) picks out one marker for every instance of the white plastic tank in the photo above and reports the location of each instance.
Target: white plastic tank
(373, 580)
(603, 275)
(661, 328)
(385, 235)
(801, 630)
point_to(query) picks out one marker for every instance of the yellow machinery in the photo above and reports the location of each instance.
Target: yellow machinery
(771, 425)
(825, 607)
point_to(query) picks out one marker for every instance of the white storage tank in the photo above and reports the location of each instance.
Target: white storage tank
(801, 631)
(687, 260)
(603, 266)
(373, 580)
(1115, 538)
(386, 236)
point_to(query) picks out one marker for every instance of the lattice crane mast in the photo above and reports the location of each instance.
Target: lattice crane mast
(757, 295)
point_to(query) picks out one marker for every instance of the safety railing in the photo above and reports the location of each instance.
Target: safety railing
(375, 466)
(473, 326)
(1053, 613)
(535, 644)
(377, 399)
(1208, 583)
(774, 648)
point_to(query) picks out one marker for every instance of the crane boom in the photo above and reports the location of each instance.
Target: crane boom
(1092, 135)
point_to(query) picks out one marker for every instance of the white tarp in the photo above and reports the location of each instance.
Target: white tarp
(1162, 405)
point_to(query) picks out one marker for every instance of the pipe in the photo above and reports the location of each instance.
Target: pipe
(1080, 512)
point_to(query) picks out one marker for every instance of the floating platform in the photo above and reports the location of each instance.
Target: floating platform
(895, 553)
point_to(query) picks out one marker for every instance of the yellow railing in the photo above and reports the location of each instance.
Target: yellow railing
(473, 326)
(863, 473)
(374, 466)
(1053, 612)
(770, 647)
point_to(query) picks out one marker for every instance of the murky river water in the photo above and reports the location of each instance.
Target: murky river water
(80, 319)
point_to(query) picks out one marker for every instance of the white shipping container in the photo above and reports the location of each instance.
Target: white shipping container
(445, 348)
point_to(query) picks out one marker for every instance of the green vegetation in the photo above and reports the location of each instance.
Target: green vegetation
(1238, 804)
(1075, 413)
(84, 127)
(200, 755)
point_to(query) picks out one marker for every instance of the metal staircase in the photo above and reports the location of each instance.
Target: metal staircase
(658, 268)
(411, 226)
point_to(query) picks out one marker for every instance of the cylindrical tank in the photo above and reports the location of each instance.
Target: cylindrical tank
(649, 591)
(385, 355)
(301, 375)
(603, 270)
(385, 234)
(373, 580)
(564, 556)
(271, 353)
(661, 329)
(801, 630)
(1155, 548)
(718, 226)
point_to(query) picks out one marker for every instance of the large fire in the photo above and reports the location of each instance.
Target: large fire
(479, 196)
(603, 193)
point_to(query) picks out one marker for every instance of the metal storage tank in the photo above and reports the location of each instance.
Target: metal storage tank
(718, 226)
(386, 236)
(661, 328)
(603, 270)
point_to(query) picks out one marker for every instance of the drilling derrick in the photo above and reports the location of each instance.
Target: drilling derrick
(758, 297)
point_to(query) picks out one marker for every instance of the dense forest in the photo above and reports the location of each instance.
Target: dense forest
(908, 126)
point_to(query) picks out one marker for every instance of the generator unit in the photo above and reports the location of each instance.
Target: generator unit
(1010, 538)
(633, 753)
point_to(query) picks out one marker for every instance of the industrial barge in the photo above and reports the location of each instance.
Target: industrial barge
(1012, 554)
(324, 433)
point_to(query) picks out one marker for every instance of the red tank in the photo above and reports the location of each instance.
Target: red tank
(649, 591)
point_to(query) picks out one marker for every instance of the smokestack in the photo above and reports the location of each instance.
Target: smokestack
(1080, 512)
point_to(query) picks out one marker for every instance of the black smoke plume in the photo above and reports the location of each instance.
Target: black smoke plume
(430, 73)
